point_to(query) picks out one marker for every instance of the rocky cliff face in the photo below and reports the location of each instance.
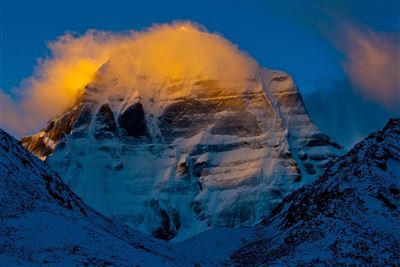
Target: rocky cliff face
(349, 216)
(181, 156)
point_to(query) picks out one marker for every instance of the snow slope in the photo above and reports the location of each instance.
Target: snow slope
(42, 222)
(174, 158)
(349, 216)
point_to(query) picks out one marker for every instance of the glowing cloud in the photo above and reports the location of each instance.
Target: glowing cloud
(373, 64)
(183, 50)
(56, 80)
(170, 51)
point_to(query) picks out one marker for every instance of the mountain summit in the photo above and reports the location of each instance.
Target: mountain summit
(217, 142)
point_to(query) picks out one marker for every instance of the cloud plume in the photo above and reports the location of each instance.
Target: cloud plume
(56, 80)
(168, 51)
(373, 64)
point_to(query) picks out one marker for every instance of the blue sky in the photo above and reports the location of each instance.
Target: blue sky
(295, 36)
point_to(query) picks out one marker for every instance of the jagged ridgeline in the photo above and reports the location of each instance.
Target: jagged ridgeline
(175, 153)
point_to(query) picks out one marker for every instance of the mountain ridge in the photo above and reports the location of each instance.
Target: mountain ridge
(347, 216)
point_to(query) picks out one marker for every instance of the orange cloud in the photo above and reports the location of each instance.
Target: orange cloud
(181, 50)
(56, 80)
(373, 64)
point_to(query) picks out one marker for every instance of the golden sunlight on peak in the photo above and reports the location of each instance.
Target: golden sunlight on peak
(162, 53)
(79, 76)
(182, 50)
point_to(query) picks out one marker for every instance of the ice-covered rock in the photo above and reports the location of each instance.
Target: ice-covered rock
(174, 158)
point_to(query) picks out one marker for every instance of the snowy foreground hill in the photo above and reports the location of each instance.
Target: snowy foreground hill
(42, 222)
(350, 215)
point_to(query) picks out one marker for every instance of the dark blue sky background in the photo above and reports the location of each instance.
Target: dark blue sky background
(285, 35)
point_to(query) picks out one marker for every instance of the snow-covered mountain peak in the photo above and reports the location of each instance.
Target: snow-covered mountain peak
(173, 158)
